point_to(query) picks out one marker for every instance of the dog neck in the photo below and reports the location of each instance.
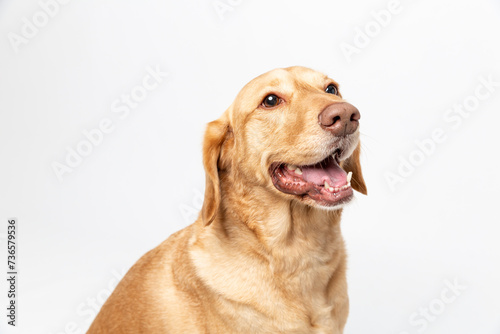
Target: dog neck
(290, 234)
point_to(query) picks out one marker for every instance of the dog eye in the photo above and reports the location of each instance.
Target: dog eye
(331, 89)
(271, 101)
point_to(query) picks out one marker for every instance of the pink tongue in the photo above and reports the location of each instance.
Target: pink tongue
(328, 171)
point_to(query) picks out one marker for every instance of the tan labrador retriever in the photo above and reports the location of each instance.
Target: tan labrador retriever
(266, 254)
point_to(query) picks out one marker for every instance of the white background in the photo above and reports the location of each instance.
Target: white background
(144, 180)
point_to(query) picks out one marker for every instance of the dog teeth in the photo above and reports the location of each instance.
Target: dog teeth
(327, 186)
(349, 177)
(294, 168)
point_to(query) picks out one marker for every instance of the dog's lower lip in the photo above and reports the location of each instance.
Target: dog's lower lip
(324, 182)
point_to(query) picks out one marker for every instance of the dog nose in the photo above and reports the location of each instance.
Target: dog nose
(341, 119)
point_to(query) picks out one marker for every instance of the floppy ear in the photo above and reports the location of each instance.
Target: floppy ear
(215, 135)
(353, 165)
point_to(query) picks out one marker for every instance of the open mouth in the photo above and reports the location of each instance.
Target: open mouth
(324, 182)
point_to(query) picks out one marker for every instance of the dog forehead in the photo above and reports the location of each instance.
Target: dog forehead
(289, 77)
(276, 79)
(307, 75)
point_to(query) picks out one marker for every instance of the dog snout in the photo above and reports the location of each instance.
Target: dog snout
(340, 119)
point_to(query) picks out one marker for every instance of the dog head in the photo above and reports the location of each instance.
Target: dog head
(288, 131)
